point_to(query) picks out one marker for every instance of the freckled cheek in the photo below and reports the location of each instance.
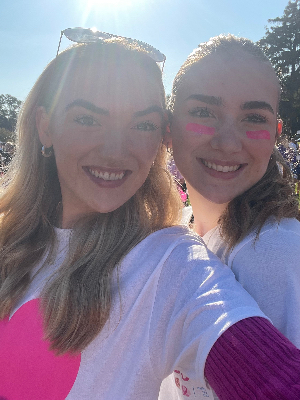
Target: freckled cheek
(194, 135)
(69, 152)
(71, 140)
(260, 154)
(183, 138)
(260, 141)
(147, 150)
(259, 150)
(183, 132)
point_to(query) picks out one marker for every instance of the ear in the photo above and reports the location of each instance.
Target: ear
(279, 126)
(42, 121)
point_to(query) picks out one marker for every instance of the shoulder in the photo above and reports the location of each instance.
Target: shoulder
(276, 241)
(170, 237)
(287, 228)
(186, 258)
(160, 245)
(269, 269)
(171, 255)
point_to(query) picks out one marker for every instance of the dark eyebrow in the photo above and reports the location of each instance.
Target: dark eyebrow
(88, 105)
(261, 105)
(149, 110)
(212, 100)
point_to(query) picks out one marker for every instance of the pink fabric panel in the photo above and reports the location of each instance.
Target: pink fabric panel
(28, 369)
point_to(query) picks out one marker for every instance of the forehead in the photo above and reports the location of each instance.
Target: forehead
(235, 80)
(109, 85)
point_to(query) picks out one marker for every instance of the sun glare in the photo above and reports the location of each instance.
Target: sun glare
(112, 3)
(96, 10)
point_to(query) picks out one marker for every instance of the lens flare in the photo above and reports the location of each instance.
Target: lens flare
(112, 3)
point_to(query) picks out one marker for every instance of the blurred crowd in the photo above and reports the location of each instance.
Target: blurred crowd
(291, 154)
(6, 153)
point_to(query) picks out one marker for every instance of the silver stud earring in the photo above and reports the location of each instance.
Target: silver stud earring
(46, 151)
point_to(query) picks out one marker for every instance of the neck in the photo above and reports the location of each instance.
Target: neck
(206, 213)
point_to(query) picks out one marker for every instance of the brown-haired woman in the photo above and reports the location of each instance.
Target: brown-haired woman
(224, 128)
(101, 296)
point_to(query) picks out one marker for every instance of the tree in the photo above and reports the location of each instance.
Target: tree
(9, 109)
(6, 136)
(281, 44)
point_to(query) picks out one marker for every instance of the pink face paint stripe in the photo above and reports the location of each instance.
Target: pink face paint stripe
(258, 134)
(201, 129)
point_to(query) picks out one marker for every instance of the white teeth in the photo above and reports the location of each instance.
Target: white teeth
(106, 175)
(220, 168)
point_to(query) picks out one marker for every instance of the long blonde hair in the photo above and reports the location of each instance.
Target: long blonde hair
(76, 304)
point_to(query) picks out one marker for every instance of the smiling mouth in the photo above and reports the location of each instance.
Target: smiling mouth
(107, 176)
(221, 168)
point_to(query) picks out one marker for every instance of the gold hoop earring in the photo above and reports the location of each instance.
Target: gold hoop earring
(46, 151)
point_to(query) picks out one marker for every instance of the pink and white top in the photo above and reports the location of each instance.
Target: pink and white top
(176, 300)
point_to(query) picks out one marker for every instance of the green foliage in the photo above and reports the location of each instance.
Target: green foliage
(6, 135)
(9, 109)
(281, 43)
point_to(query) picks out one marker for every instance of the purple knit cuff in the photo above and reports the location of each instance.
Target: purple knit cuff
(253, 360)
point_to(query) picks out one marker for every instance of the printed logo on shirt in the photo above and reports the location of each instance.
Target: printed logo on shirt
(189, 389)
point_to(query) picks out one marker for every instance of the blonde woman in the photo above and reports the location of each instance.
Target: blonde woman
(101, 295)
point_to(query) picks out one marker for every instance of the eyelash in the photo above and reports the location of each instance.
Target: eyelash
(87, 120)
(203, 112)
(255, 118)
(146, 126)
(199, 111)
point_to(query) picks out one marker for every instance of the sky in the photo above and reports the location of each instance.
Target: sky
(30, 29)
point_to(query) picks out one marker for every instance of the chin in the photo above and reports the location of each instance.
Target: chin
(106, 210)
(218, 199)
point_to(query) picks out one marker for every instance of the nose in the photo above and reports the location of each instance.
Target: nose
(227, 138)
(114, 143)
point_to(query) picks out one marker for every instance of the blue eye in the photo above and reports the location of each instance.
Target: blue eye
(201, 112)
(146, 126)
(86, 120)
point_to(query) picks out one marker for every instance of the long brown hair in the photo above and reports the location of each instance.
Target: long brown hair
(274, 194)
(76, 302)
